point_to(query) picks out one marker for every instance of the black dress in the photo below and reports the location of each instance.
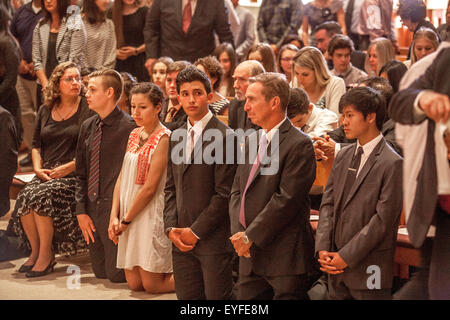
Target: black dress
(55, 198)
(133, 35)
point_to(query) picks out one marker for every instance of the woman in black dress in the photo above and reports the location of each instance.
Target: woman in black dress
(43, 217)
(129, 22)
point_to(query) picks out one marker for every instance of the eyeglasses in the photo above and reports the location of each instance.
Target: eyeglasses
(71, 79)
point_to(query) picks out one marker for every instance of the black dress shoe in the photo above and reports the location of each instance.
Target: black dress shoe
(35, 274)
(25, 268)
(27, 161)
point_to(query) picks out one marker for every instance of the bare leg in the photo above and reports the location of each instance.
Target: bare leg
(157, 282)
(29, 226)
(45, 229)
(133, 279)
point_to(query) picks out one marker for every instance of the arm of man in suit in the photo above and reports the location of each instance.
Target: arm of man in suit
(221, 25)
(294, 21)
(250, 35)
(297, 176)
(435, 105)
(170, 208)
(84, 221)
(209, 219)
(384, 221)
(152, 33)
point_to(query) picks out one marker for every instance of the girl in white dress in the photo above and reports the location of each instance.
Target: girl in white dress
(136, 221)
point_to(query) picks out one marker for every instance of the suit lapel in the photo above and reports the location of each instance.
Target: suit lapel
(61, 34)
(282, 133)
(342, 175)
(197, 14)
(198, 148)
(365, 170)
(179, 14)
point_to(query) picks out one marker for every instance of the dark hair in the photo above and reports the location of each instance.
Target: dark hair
(293, 37)
(414, 10)
(110, 79)
(151, 90)
(7, 43)
(62, 10)
(87, 71)
(177, 66)
(213, 67)
(340, 41)
(298, 102)
(274, 85)
(191, 74)
(395, 71)
(117, 18)
(165, 60)
(93, 13)
(331, 28)
(228, 48)
(267, 55)
(4, 20)
(365, 100)
(129, 82)
(381, 85)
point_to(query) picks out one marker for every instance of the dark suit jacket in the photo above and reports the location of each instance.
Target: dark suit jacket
(8, 157)
(164, 35)
(277, 207)
(178, 120)
(436, 78)
(237, 117)
(196, 195)
(363, 227)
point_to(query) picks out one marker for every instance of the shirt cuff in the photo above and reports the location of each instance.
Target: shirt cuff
(195, 234)
(418, 113)
(337, 148)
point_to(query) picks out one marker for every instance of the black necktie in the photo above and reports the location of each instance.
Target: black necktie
(348, 15)
(351, 173)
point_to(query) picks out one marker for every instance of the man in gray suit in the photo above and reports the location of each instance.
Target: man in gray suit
(196, 195)
(361, 205)
(269, 202)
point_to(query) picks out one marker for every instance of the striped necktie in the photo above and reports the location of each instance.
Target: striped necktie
(94, 161)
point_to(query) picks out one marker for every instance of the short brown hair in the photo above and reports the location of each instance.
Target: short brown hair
(274, 85)
(110, 79)
(213, 67)
(177, 66)
(340, 41)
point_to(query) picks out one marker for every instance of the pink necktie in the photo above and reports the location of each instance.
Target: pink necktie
(262, 149)
(187, 16)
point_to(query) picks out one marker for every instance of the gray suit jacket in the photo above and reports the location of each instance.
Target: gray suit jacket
(363, 228)
(70, 44)
(277, 207)
(436, 78)
(196, 195)
(164, 35)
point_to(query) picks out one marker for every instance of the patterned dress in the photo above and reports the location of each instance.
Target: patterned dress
(144, 242)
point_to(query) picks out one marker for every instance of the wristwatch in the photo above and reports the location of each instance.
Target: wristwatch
(245, 239)
(123, 221)
(167, 231)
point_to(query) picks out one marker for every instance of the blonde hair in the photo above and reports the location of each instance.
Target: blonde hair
(52, 94)
(312, 58)
(385, 52)
(424, 33)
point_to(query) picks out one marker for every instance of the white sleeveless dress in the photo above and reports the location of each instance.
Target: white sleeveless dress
(144, 243)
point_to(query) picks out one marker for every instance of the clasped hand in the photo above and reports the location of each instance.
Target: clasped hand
(331, 262)
(241, 248)
(183, 238)
(115, 229)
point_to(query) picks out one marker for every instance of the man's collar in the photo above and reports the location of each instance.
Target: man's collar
(109, 119)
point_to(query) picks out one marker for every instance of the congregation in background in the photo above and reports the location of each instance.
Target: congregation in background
(180, 143)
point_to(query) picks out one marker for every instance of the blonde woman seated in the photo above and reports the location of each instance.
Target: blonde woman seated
(425, 42)
(379, 52)
(136, 221)
(310, 72)
(213, 69)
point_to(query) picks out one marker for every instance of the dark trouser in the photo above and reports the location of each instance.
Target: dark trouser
(103, 251)
(254, 287)
(200, 277)
(432, 280)
(337, 290)
(361, 42)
